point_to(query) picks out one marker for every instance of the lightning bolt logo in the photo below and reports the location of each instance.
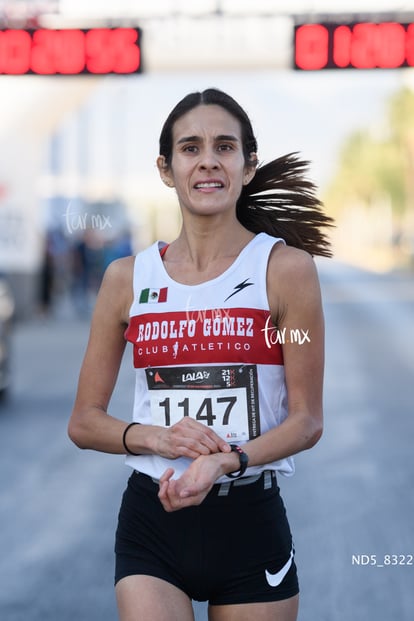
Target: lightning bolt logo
(239, 287)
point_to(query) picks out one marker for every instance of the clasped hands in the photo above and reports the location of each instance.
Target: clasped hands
(189, 438)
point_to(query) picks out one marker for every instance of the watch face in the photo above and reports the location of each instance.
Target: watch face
(70, 51)
(244, 460)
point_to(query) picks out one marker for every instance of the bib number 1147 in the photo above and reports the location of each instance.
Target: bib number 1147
(207, 412)
(224, 398)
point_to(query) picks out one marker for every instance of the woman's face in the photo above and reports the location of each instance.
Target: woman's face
(208, 167)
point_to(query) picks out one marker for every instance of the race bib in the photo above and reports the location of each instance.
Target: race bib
(222, 397)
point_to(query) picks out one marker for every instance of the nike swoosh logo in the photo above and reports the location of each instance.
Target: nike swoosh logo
(274, 580)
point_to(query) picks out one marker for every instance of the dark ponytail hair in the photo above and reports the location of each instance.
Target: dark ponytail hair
(279, 200)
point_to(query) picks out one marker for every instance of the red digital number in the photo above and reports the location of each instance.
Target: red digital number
(98, 51)
(15, 48)
(312, 46)
(70, 52)
(112, 50)
(377, 45)
(341, 53)
(58, 51)
(126, 51)
(391, 45)
(364, 45)
(409, 50)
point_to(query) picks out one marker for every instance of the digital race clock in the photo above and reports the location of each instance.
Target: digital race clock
(70, 52)
(355, 45)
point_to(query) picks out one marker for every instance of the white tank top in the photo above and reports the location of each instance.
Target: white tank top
(207, 351)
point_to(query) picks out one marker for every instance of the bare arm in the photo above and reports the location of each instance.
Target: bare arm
(90, 425)
(295, 303)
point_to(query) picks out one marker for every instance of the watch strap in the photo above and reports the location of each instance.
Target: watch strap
(244, 460)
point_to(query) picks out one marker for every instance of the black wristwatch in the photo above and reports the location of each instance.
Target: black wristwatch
(244, 460)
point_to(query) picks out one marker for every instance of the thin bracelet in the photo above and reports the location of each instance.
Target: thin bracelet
(124, 439)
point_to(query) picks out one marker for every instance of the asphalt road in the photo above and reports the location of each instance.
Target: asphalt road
(350, 504)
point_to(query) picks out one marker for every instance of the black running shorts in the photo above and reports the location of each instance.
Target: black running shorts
(235, 548)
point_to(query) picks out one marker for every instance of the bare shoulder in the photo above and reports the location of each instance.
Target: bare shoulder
(292, 279)
(116, 290)
(120, 271)
(288, 262)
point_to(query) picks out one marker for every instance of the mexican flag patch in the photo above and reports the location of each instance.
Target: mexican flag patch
(152, 296)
